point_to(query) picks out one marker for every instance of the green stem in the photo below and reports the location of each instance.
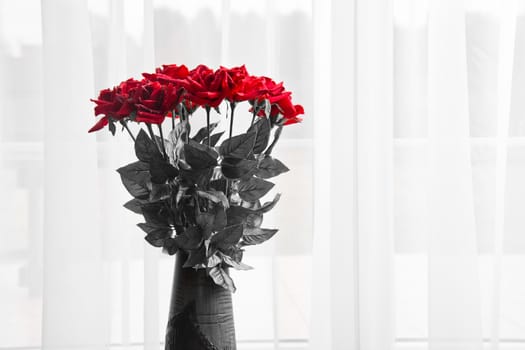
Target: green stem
(152, 135)
(129, 131)
(208, 124)
(162, 141)
(232, 105)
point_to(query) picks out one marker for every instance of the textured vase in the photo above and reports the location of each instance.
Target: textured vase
(201, 313)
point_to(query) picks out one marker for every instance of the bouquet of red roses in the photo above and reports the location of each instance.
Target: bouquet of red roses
(197, 196)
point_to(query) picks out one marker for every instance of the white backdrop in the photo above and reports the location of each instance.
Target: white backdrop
(401, 223)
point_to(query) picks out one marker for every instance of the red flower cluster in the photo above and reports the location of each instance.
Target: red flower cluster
(155, 97)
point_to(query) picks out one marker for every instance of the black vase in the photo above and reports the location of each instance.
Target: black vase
(201, 312)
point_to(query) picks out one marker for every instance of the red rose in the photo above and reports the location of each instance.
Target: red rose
(115, 103)
(169, 73)
(155, 100)
(248, 89)
(203, 87)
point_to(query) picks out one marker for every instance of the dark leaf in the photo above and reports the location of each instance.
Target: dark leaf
(235, 168)
(137, 172)
(145, 148)
(196, 258)
(135, 205)
(270, 167)
(213, 139)
(254, 189)
(170, 246)
(156, 213)
(199, 156)
(159, 192)
(112, 127)
(203, 132)
(262, 128)
(199, 177)
(218, 185)
(190, 239)
(228, 236)
(221, 278)
(161, 171)
(238, 146)
(137, 190)
(156, 234)
(252, 236)
(205, 222)
(237, 215)
(220, 220)
(215, 197)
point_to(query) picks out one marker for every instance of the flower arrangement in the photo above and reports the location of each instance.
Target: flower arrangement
(197, 196)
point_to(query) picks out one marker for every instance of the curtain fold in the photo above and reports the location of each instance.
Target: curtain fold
(454, 285)
(74, 288)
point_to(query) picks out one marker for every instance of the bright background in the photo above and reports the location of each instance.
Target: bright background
(413, 147)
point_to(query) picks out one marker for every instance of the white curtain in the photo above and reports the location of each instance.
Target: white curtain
(401, 223)
(424, 152)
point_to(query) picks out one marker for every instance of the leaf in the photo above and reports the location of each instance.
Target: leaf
(270, 167)
(229, 236)
(236, 215)
(254, 220)
(199, 177)
(213, 260)
(170, 246)
(237, 265)
(196, 258)
(213, 139)
(203, 132)
(135, 205)
(221, 278)
(252, 235)
(145, 148)
(266, 207)
(199, 156)
(254, 189)
(155, 213)
(238, 146)
(219, 221)
(111, 126)
(262, 128)
(161, 171)
(176, 141)
(190, 239)
(234, 168)
(136, 172)
(155, 233)
(137, 190)
(215, 197)
(205, 221)
(218, 185)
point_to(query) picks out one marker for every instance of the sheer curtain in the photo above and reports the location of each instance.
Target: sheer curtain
(400, 223)
(422, 250)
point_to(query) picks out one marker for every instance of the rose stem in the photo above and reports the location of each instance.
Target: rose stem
(276, 137)
(253, 117)
(232, 105)
(129, 131)
(162, 141)
(152, 135)
(173, 119)
(208, 124)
